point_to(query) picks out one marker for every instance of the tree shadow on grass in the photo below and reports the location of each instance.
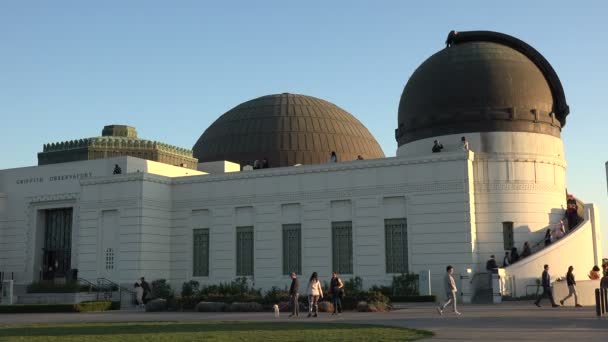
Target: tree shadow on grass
(169, 327)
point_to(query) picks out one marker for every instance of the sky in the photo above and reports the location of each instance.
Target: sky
(170, 68)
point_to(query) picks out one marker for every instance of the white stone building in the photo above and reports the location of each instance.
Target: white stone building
(371, 218)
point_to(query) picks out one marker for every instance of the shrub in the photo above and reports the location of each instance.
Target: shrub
(211, 307)
(161, 289)
(46, 286)
(158, 304)
(190, 288)
(276, 295)
(187, 302)
(405, 284)
(326, 306)
(245, 307)
(413, 299)
(235, 291)
(93, 306)
(376, 297)
(36, 308)
(353, 286)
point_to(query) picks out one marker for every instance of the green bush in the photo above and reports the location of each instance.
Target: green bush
(276, 295)
(413, 299)
(405, 284)
(93, 306)
(161, 289)
(190, 288)
(36, 308)
(376, 297)
(46, 286)
(235, 291)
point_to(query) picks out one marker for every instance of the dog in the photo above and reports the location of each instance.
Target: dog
(277, 312)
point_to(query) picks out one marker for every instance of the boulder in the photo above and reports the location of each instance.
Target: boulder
(326, 306)
(211, 307)
(245, 307)
(158, 304)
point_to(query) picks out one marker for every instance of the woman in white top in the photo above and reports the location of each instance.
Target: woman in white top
(315, 292)
(139, 295)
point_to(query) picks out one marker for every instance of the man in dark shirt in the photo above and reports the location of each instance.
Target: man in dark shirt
(293, 295)
(546, 283)
(147, 290)
(571, 287)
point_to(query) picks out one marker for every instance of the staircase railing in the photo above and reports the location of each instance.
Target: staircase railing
(108, 287)
(82, 281)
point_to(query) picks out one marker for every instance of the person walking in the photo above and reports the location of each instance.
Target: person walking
(315, 292)
(571, 288)
(146, 288)
(336, 287)
(546, 283)
(450, 289)
(139, 296)
(293, 295)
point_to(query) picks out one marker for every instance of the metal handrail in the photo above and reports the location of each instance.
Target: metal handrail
(82, 280)
(112, 284)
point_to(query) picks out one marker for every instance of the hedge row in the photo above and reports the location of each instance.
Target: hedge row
(413, 299)
(54, 308)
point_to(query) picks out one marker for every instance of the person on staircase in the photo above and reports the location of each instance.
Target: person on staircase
(506, 261)
(526, 250)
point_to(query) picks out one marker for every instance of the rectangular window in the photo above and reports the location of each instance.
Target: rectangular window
(200, 253)
(292, 248)
(507, 235)
(244, 251)
(395, 233)
(342, 243)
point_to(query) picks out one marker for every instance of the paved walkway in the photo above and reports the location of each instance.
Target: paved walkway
(519, 321)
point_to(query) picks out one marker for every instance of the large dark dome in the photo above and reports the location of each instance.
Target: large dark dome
(486, 82)
(287, 129)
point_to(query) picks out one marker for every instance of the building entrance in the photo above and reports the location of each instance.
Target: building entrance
(57, 250)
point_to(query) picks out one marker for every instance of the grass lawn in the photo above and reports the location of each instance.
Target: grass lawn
(207, 331)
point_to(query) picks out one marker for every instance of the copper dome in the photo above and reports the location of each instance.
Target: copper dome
(287, 129)
(485, 81)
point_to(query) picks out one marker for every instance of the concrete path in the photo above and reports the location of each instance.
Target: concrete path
(519, 321)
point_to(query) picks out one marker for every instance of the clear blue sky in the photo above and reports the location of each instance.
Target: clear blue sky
(170, 68)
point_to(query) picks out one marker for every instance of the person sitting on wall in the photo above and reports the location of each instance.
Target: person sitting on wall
(333, 158)
(437, 147)
(604, 281)
(264, 163)
(594, 274)
(117, 169)
(526, 250)
(256, 164)
(465, 144)
(491, 265)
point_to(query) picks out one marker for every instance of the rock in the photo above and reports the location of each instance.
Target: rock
(211, 307)
(245, 307)
(326, 306)
(363, 306)
(158, 304)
